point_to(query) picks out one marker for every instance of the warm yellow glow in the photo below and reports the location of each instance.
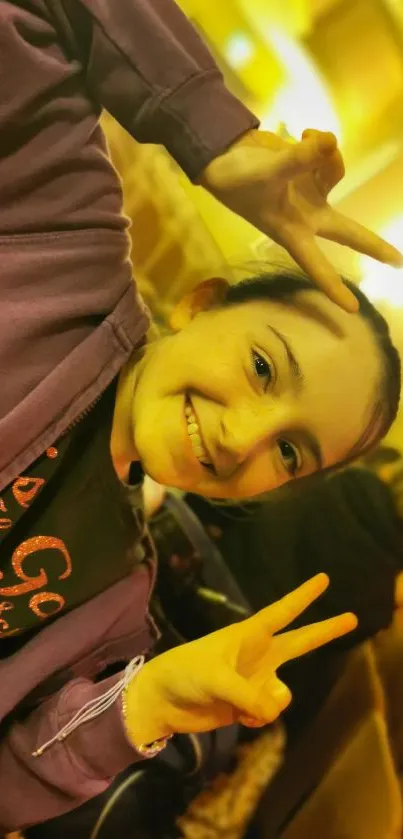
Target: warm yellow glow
(291, 16)
(230, 34)
(304, 101)
(239, 50)
(380, 282)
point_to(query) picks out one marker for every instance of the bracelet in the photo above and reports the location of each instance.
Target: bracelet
(148, 749)
(152, 749)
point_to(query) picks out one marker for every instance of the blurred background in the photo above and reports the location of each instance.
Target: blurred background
(329, 64)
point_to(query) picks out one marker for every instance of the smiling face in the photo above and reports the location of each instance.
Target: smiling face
(260, 392)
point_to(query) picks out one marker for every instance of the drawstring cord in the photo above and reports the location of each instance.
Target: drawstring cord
(95, 707)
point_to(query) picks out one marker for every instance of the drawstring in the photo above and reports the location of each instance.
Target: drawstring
(95, 707)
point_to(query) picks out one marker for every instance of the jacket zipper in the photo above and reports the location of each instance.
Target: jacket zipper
(83, 414)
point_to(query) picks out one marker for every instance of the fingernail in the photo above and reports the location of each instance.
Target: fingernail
(396, 261)
(351, 304)
(353, 619)
(251, 722)
(324, 579)
(281, 694)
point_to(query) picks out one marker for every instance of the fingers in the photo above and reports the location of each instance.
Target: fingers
(314, 132)
(329, 173)
(346, 231)
(248, 162)
(310, 258)
(280, 614)
(299, 642)
(332, 169)
(275, 697)
(316, 151)
(254, 705)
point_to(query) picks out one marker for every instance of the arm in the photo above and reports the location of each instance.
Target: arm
(147, 66)
(68, 773)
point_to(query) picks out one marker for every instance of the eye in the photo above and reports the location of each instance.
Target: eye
(262, 367)
(290, 457)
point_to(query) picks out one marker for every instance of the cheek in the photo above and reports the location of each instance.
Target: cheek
(258, 476)
(214, 356)
(150, 415)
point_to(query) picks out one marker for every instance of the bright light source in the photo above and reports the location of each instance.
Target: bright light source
(239, 49)
(304, 101)
(380, 282)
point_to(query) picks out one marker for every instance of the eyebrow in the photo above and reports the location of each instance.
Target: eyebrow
(294, 365)
(312, 443)
(309, 439)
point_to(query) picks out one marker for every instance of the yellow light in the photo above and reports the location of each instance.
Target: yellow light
(380, 282)
(239, 50)
(304, 101)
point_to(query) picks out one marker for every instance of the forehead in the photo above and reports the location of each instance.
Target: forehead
(339, 361)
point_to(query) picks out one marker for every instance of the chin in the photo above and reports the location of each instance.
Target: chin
(154, 471)
(161, 473)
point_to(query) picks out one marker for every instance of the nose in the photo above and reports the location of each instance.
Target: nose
(248, 430)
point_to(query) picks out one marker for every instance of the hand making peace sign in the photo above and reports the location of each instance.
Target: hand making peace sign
(282, 188)
(229, 675)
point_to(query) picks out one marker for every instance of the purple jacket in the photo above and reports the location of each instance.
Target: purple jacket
(52, 676)
(69, 314)
(70, 317)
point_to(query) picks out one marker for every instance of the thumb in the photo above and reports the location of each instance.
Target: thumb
(310, 153)
(255, 704)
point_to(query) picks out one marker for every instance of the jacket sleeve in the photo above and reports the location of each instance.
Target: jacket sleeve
(146, 65)
(68, 773)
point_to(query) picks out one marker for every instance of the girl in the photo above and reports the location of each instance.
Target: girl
(235, 402)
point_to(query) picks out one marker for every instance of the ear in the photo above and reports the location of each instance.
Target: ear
(204, 296)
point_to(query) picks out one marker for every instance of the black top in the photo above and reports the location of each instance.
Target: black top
(69, 528)
(344, 525)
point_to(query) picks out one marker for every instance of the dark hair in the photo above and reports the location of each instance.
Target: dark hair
(284, 285)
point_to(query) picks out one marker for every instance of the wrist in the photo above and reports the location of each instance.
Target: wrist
(212, 171)
(140, 707)
(233, 167)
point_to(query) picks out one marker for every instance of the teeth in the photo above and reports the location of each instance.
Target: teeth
(195, 436)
